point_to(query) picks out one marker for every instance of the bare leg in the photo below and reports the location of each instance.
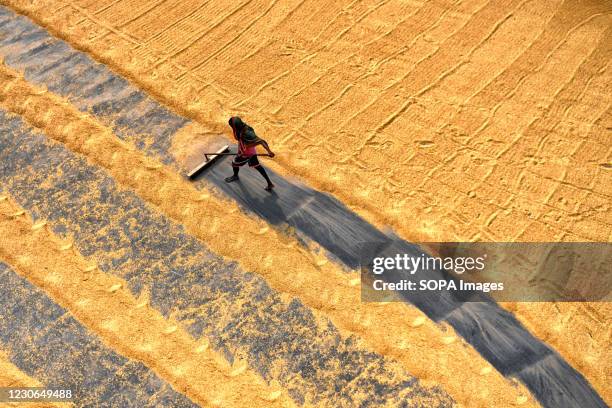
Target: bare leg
(262, 171)
(235, 176)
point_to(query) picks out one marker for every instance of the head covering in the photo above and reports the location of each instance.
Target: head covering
(244, 131)
(236, 123)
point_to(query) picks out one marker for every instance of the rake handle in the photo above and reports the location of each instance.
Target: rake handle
(231, 154)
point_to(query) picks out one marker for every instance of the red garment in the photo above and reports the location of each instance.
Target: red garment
(246, 151)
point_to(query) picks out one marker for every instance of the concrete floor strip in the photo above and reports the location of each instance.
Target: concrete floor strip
(47, 343)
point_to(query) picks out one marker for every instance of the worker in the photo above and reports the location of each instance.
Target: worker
(247, 153)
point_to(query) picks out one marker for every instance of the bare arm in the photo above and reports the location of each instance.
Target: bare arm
(265, 146)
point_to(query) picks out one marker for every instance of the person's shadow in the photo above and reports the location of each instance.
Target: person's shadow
(274, 206)
(267, 204)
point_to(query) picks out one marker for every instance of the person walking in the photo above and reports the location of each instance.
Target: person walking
(247, 152)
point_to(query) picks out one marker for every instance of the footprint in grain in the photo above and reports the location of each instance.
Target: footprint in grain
(425, 143)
